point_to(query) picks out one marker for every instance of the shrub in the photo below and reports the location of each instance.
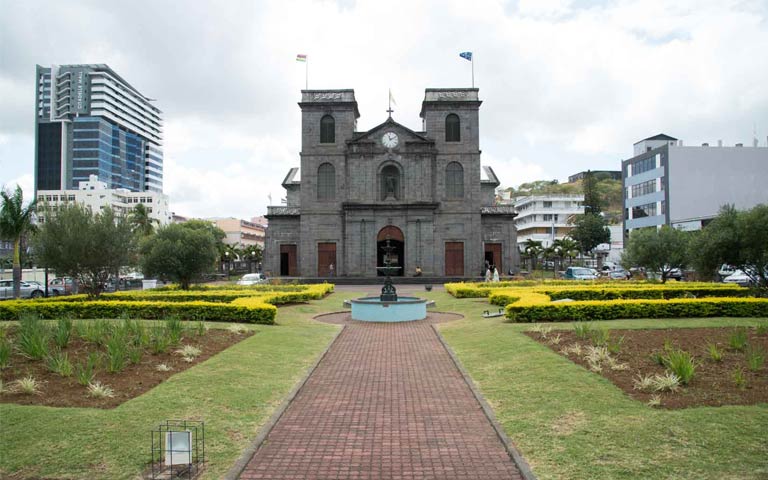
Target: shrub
(715, 353)
(738, 339)
(98, 390)
(33, 337)
(189, 352)
(117, 353)
(159, 341)
(5, 352)
(582, 330)
(600, 336)
(755, 357)
(174, 329)
(63, 332)
(59, 363)
(27, 386)
(682, 364)
(669, 382)
(739, 379)
(134, 355)
(86, 371)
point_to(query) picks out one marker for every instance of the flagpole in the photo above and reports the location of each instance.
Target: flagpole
(473, 69)
(306, 74)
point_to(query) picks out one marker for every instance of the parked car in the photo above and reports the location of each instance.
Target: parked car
(739, 278)
(252, 279)
(579, 273)
(62, 286)
(618, 273)
(726, 270)
(28, 290)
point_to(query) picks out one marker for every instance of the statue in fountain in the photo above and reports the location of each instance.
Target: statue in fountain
(388, 291)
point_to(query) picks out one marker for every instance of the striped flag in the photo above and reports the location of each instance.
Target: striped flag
(466, 55)
(301, 57)
(392, 98)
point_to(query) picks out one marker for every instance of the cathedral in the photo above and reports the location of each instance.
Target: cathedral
(419, 201)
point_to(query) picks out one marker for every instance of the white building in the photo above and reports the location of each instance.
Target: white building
(666, 183)
(95, 195)
(545, 218)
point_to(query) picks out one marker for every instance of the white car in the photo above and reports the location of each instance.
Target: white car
(739, 278)
(252, 279)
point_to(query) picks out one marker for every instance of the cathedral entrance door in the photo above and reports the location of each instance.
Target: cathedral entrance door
(493, 256)
(326, 259)
(287, 260)
(397, 257)
(454, 259)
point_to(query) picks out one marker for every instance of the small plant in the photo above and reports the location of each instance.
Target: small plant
(27, 386)
(163, 368)
(86, 371)
(668, 347)
(715, 354)
(681, 363)
(33, 337)
(615, 365)
(739, 379)
(98, 390)
(3, 387)
(643, 383)
(200, 328)
(5, 352)
(237, 329)
(159, 341)
(738, 339)
(555, 340)
(654, 401)
(174, 328)
(614, 345)
(582, 330)
(573, 348)
(658, 358)
(134, 355)
(600, 337)
(755, 357)
(189, 352)
(761, 329)
(669, 382)
(63, 332)
(117, 353)
(59, 363)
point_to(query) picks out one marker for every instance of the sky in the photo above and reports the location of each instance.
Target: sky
(566, 85)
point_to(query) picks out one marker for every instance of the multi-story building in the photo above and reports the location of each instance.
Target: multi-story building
(90, 121)
(612, 174)
(666, 183)
(241, 232)
(97, 195)
(545, 218)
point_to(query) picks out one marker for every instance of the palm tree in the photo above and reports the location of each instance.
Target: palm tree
(141, 220)
(532, 248)
(569, 248)
(15, 222)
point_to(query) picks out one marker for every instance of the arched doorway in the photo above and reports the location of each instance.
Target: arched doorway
(395, 237)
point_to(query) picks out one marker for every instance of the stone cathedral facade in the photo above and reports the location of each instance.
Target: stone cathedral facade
(423, 193)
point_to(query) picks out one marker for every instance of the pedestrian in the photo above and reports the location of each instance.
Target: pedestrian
(495, 274)
(418, 271)
(488, 275)
(330, 270)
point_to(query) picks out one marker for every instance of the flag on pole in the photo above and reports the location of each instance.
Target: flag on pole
(269, 196)
(391, 98)
(303, 58)
(466, 55)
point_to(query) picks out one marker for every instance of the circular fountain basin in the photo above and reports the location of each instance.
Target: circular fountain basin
(405, 309)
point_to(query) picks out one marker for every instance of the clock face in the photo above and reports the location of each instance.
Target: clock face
(390, 140)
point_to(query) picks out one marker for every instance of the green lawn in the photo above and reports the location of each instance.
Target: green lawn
(234, 392)
(571, 423)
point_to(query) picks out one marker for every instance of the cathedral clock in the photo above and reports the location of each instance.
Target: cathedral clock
(390, 140)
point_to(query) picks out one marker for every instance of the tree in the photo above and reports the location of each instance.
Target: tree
(533, 249)
(15, 223)
(89, 247)
(592, 201)
(181, 252)
(738, 238)
(141, 221)
(590, 231)
(566, 247)
(657, 250)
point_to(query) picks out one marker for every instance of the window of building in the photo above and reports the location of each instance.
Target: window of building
(547, 205)
(327, 129)
(454, 180)
(452, 128)
(663, 207)
(640, 166)
(326, 182)
(647, 210)
(644, 188)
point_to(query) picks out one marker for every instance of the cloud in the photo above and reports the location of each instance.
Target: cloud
(567, 85)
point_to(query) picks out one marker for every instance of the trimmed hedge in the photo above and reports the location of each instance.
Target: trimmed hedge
(645, 293)
(616, 309)
(262, 313)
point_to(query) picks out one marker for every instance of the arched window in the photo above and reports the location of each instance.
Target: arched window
(454, 180)
(326, 182)
(452, 128)
(327, 129)
(390, 183)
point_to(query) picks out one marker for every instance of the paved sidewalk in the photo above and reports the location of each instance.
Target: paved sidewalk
(386, 402)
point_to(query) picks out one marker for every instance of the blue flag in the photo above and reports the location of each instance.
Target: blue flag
(466, 55)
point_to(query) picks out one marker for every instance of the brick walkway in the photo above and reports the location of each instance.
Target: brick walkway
(386, 402)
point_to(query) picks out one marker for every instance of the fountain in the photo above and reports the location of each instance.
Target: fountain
(388, 307)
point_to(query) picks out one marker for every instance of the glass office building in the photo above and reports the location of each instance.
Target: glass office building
(90, 121)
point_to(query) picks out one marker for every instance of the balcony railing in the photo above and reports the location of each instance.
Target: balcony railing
(283, 211)
(498, 210)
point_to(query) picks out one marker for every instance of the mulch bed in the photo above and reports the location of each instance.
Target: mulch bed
(57, 391)
(713, 383)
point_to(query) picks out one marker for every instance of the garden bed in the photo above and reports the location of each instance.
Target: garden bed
(129, 382)
(729, 381)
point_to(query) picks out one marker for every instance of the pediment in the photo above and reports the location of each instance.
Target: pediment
(406, 134)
